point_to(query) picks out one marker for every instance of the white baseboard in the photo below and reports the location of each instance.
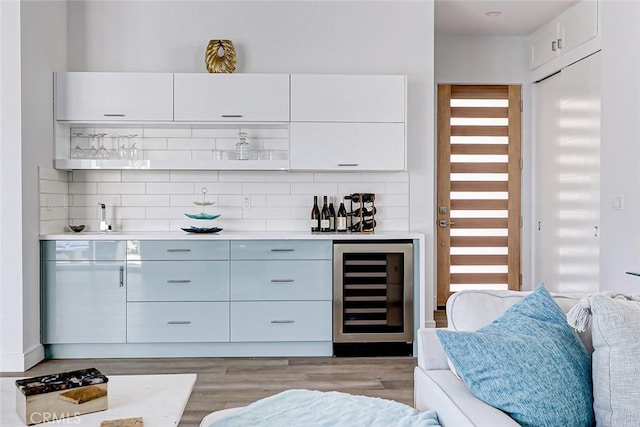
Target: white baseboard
(20, 362)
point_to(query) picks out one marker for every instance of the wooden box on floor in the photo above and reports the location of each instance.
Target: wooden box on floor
(62, 395)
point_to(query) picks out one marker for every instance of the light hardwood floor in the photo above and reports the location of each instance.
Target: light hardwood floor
(230, 382)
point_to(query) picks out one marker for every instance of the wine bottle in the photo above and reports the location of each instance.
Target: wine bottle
(315, 215)
(365, 211)
(324, 217)
(367, 225)
(341, 219)
(332, 216)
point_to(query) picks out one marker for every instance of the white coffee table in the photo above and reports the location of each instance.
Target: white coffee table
(158, 399)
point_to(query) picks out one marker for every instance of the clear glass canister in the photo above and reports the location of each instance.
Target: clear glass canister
(243, 148)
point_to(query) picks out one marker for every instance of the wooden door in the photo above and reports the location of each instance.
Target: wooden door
(478, 202)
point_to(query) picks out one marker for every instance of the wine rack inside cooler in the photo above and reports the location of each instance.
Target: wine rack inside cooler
(373, 292)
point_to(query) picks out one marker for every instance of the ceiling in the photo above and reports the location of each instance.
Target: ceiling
(518, 17)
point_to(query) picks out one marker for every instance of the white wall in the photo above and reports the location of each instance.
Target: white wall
(11, 292)
(620, 148)
(33, 37)
(494, 60)
(368, 37)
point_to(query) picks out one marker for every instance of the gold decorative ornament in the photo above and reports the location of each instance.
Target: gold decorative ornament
(221, 56)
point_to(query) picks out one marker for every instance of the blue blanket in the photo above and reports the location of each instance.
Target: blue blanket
(308, 408)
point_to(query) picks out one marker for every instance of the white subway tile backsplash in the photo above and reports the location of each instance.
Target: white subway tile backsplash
(265, 188)
(398, 188)
(144, 225)
(155, 143)
(193, 176)
(127, 212)
(167, 132)
(84, 212)
(337, 177)
(242, 176)
(316, 188)
(96, 176)
(191, 143)
(53, 174)
(361, 187)
(288, 224)
(83, 188)
(388, 177)
(169, 188)
(392, 200)
(167, 155)
(396, 212)
(275, 213)
(146, 200)
(94, 199)
(53, 187)
(47, 214)
(284, 176)
(53, 200)
(169, 212)
(121, 187)
(145, 176)
(293, 200)
(234, 224)
(215, 188)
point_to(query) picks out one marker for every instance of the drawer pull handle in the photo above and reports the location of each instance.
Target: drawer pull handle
(282, 250)
(282, 321)
(282, 280)
(178, 250)
(114, 115)
(347, 164)
(172, 282)
(121, 277)
(178, 322)
(231, 115)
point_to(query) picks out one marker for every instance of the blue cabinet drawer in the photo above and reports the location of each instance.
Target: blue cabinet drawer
(177, 250)
(281, 249)
(281, 280)
(281, 321)
(177, 322)
(178, 281)
(83, 250)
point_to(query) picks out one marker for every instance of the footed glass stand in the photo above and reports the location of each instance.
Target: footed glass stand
(202, 216)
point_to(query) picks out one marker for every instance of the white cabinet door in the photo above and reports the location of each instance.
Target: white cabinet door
(567, 178)
(347, 98)
(579, 24)
(347, 146)
(544, 45)
(232, 97)
(84, 96)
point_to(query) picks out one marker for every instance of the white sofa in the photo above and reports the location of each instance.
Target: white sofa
(435, 385)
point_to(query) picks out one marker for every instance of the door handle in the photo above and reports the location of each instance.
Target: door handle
(445, 223)
(121, 277)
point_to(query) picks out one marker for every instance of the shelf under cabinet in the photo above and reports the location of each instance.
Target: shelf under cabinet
(72, 164)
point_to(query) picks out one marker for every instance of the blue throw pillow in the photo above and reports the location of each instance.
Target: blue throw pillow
(528, 363)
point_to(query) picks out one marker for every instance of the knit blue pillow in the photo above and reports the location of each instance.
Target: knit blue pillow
(528, 363)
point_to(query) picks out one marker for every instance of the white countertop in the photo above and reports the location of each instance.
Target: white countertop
(232, 235)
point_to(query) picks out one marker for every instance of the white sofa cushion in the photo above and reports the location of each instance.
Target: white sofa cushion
(616, 361)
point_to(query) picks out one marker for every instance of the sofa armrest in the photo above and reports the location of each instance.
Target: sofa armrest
(430, 352)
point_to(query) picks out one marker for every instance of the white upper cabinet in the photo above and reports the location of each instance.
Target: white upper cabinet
(347, 98)
(574, 27)
(348, 122)
(96, 97)
(348, 146)
(231, 97)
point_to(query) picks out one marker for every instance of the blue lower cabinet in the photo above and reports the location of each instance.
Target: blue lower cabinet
(166, 322)
(83, 302)
(281, 321)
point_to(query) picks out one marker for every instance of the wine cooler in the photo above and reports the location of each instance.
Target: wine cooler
(373, 298)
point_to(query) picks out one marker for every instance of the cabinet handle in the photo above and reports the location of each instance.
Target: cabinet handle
(178, 322)
(178, 250)
(171, 282)
(347, 164)
(114, 115)
(121, 277)
(282, 280)
(282, 321)
(282, 250)
(559, 43)
(553, 45)
(228, 116)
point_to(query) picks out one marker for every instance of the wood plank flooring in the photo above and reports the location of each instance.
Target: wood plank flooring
(230, 382)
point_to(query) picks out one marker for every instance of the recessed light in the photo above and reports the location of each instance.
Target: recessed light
(494, 13)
